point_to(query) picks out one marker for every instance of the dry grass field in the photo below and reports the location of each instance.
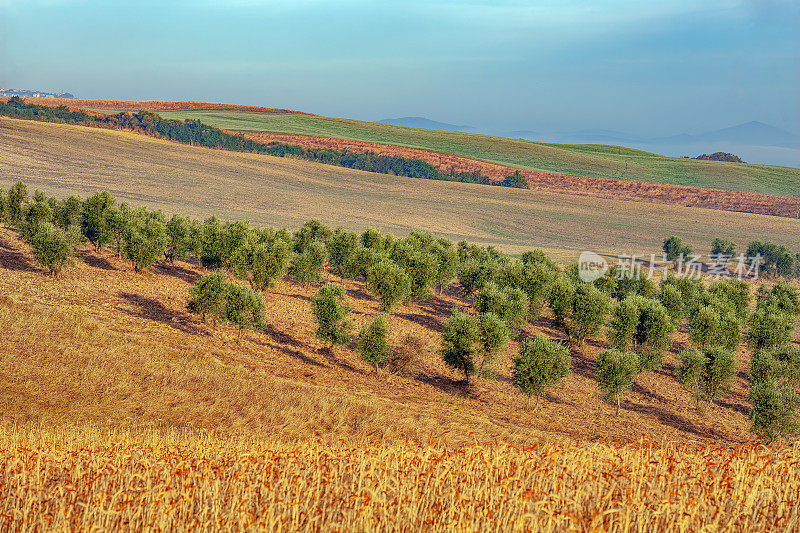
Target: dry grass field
(122, 411)
(63, 160)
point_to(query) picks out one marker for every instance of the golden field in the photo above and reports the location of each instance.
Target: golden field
(82, 478)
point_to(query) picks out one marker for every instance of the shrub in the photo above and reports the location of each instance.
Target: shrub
(492, 336)
(331, 314)
(145, 239)
(775, 409)
(243, 307)
(458, 343)
(207, 296)
(769, 328)
(616, 373)
(52, 248)
(674, 249)
(703, 326)
(541, 365)
(389, 282)
(372, 342)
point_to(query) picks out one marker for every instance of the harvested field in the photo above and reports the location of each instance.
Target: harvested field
(65, 160)
(746, 202)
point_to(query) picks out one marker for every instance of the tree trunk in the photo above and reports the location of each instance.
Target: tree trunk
(535, 407)
(618, 404)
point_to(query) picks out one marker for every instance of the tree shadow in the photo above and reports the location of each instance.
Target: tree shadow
(327, 352)
(458, 387)
(739, 408)
(361, 294)
(425, 321)
(281, 337)
(638, 389)
(154, 310)
(189, 276)
(674, 420)
(281, 347)
(96, 262)
(11, 259)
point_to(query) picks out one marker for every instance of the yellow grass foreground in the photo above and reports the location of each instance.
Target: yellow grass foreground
(88, 478)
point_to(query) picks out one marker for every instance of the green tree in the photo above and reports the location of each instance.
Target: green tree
(446, 263)
(690, 372)
(211, 252)
(331, 314)
(306, 267)
(493, 334)
(510, 304)
(458, 343)
(310, 231)
(723, 247)
(672, 300)
(116, 223)
(372, 342)
(781, 364)
(674, 248)
(390, 283)
(769, 328)
(95, 214)
(207, 296)
(181, 240)
(342, 246)
(35, 214)
(541, 365)
(588, 312)
(775, 409)
(145, 240)
(15, 203)
(52, 248)
(243, 307)
(261, 260)
(616, 373)
(782, 297)
(642, 325)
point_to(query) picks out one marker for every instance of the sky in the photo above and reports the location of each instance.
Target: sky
(642, 67)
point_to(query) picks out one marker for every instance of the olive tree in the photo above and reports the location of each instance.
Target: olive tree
(306, 266)
(492, 336)
(331, 314)
(707, 374)
(243, 307)
(510, 304)
(372, 342)
(145, 239)
(641, 325)
(674, 248)
(769, 328)
(94, 217)
(261, 261)
(207, 296)
(181, 238)
(52, 248)
(458, 343)
(16, 200)
(389, 282)
(342, 246)
(775, 409)
(540, 365)
(616, 373)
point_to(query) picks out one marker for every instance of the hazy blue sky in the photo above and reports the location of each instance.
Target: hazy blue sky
(645, 67)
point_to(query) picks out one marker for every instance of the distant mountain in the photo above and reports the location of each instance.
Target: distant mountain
(749, 133)
(424, 123)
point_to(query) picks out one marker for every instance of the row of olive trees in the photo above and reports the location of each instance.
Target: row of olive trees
(775, 259)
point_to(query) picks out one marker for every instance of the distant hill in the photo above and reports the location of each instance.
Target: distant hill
(424, 123)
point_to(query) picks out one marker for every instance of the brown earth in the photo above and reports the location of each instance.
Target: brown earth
(149, 105)
(105, 344)
(764, 204)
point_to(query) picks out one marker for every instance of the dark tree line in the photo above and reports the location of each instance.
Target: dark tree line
(196, 133)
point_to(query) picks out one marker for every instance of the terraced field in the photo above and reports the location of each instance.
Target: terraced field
(63, 159)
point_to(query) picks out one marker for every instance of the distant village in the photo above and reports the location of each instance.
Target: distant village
(26, 93)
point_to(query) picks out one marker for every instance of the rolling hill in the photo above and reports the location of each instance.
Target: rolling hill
(64, 159)
(600, 161)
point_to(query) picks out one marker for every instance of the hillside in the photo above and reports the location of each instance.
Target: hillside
(122, 349)
(272, 191)
(600, 161)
